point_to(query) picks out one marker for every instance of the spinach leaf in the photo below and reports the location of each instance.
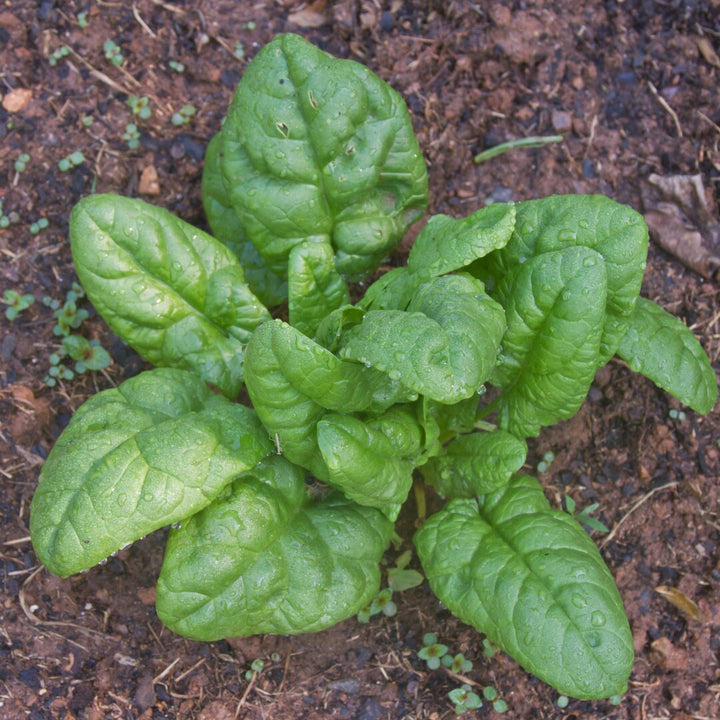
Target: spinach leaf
(270, 287)
(148, 453)
(532, 580)
(659, 346)
(269, 560)
(174, 293)
(321, 149)
(555, 309)
(550, 224)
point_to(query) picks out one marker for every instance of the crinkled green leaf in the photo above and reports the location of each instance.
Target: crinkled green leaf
(476, 464)
(270, 287)
(293, 382)
(322, 149)
(555, 223)
(371, 462)
(330, 331)
(263, 561)
(392, 291)
(444, 346)
(148, 453)
(555, 309)
(315, 288)
(171, 291)
(532, 580)
(446, 244)
(661, 347)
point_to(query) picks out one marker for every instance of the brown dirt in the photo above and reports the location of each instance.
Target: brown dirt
(473, 75)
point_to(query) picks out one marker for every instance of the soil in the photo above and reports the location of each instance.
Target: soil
(633, 88)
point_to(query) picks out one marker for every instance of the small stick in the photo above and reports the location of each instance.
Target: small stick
(528, 142)
(666, 107)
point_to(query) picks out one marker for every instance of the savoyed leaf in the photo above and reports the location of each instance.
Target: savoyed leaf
(446, 244)
(148, 453)
(263, 561)
(661, 347)
(321, 149)
(444, 346)
(170, 290)
(532, 580)
(392, 291)
(475, 464)
(555, 309)
(315, 288)
(270, 287)
(615, 231)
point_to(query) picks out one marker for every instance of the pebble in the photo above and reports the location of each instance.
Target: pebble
(561, 121)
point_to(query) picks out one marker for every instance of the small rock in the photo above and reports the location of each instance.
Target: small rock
(149, 184)
(145, 694)
(667, 656)
(146, 595)
(17, 100)
(351, 686)
(561, 121)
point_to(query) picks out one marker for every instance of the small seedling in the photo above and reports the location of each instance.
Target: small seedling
(677, 415)
(140, 106)
(38, 225)
(88, 354)
(71, 161)
(239, 50)
(87, 120)
(132, 136)
(82, 20)
(58, 55)
(464, 699)
(585, 516)
(183, 116)
(256, 667)
(562, 702)
(381, 603)
(16, 303)
(545, 463)
(457, 664)
(432, 651)
(400, 577)
(489, 649)
(113, 53)
(21, 162)
(178, 67)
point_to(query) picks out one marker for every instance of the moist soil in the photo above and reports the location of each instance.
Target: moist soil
(631, 86)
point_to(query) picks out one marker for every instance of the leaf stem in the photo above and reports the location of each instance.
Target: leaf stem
(528, 142)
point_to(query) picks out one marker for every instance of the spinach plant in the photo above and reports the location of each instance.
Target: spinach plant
(281, 510)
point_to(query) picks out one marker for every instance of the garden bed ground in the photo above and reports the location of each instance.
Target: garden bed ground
(633, 88)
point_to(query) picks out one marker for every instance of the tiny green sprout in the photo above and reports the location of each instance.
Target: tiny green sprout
(38, 225)
(250, 25)
(178, 67)
(256, 667)
(400, 577)
(131, 136)
(16, 303)
(183, 116)
(113, 53)
(457, 664)
(4, 221)
(490, 693)
(59, 54)
(500, 706)
(52, 303)
(239, 50)
(82, 20)
(88, 354)
(464, 699)
(21, 162)
(545, 463)
(71, 161)
(489, 649)
(432, 651)
(562, 701)
(69, 317)
(87, 121)
(677, 415)
(383, 603)
(585, 516)
(140, 106)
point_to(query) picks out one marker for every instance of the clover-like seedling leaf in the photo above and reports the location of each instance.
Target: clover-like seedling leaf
(174, 293)
(320, 148)
(148, 453)
(532, 580)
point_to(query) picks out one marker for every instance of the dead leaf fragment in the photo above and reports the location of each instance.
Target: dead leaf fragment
(312, 16)
(17, 100)
(707, 51)
(667, 656)
(149, 184)
(680, 600)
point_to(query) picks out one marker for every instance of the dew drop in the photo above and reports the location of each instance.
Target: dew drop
(121, 499)
(594, 640)
(597, 619)
(567, 236)
(589, 261)
(584, 224)
(578, 601)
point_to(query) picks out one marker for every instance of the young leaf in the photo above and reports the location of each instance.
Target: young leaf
(555, 308)
(532, 580)
(476, 464)
(444, 346)
(321, 149)
(392, 291)
(171, 291)
(446, 244)
(148, 453)
(555, 223)
(660, 346)
(260, 561)
(270, 287)
(315, 288)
